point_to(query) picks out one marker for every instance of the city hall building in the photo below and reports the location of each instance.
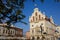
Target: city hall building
(10, 33)
(41, 27)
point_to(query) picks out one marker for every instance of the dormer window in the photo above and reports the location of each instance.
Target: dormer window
(36, 13)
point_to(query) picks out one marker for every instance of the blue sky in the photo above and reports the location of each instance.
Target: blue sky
(50, 8)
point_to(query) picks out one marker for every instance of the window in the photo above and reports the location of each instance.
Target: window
(11, 31)
(38, 31)
(33, 38)
(42, 28)
(58, 28)
(36, 19)
(47, 29)
(33, 18)
(32, 31)
(4, 31)
(36, 13)
(38, 38)
(42, 17)
(39, 17)
(0, 30)
(32, 25)
(8, 31)
(21, 33)
(41, 23)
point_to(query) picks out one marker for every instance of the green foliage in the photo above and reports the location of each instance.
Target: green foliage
(33, 0)
(57, 0)
(40, 1)
(11, 11)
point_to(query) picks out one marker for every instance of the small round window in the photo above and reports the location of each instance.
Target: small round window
(41, 23)
(32, 25)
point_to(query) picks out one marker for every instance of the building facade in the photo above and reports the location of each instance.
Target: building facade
(41, 27)
(7, 33)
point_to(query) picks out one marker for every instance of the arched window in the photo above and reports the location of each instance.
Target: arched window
(32, 25)
(42, 17)
(33, 38)
(36, 13)
(32, 31)
(38, 38)
(39, 17)
(33, 18)
(6, 31)
(36, 19)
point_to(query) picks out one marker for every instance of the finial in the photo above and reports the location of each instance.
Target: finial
(44, 13)
(35, 5)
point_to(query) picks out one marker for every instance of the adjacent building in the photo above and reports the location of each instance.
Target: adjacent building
(28, 35)
(41, 27)
(58, 31)
(11, 32)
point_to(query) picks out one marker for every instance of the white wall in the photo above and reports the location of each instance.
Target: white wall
(50, 28)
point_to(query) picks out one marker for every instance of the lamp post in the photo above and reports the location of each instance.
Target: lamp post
(41, 30)
(56, 31)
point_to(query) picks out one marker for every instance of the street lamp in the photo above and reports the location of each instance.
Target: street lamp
(41, 30)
